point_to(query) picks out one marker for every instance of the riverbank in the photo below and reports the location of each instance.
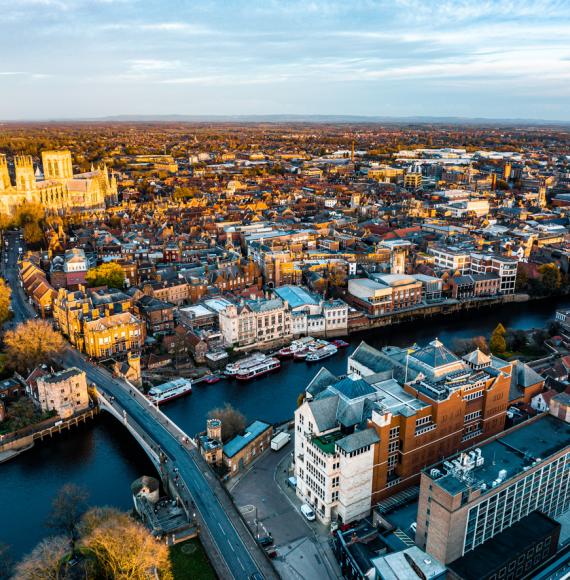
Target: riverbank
(102, 457)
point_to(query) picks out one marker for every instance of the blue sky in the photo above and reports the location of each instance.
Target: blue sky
(469, 58)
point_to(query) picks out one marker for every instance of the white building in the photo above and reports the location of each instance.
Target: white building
(333, 469)
(449, 258)
(310, 315)
(255, 322)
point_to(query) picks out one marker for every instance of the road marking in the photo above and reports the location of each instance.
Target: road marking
(231, 546)
(220, 525)
(241, 564)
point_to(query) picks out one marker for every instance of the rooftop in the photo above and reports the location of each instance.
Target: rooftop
(295, 296)
(494, 553)
(514, 452)
(252, 432)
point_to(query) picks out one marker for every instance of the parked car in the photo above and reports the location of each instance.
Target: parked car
(292, 482)
(265, 540)
(308, 512)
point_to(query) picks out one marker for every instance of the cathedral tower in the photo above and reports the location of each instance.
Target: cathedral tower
(57, 164)
(25, 177)
(4, 175)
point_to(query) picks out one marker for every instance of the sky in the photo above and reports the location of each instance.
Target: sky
(466, 58)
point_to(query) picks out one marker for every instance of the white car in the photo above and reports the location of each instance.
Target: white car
(308, 512)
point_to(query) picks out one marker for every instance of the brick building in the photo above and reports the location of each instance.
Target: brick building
(363, 437)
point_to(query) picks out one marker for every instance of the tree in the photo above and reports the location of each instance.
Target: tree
(522, 279)
(67, 509)
(21, 413)
(32, 343)
(30, 217)
(550, 278)
(498, 343)
(233, 421)
(5, 295)
(108, 274)
(301, 398)
(123, 548)
(44, 561)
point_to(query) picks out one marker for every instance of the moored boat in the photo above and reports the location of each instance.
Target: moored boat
(232, 369)
(170, 390)
(322, 353)
(262, 368)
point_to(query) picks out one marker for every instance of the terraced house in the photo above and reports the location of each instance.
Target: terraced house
(362, 437)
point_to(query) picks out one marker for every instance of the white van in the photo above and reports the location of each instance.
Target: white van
(308, 512)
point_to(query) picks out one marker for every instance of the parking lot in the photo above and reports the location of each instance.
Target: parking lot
(270, 507)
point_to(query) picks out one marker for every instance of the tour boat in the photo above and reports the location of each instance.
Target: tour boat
(296, 346)
(262, 368)
(171, 390)
(322, 353)
(232, 369)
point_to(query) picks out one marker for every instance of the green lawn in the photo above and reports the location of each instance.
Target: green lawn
(189, 561)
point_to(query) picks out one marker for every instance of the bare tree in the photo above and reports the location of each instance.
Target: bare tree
(68, 507)
(233, 421)
(44, 561)
(32, 343)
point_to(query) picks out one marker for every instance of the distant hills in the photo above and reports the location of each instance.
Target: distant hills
(323, 119)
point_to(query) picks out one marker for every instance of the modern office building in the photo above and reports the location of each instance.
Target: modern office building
(472, 497)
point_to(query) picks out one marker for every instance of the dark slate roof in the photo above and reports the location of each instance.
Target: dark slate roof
(358, 440)
(324, 411)
(371, 358)
(435, 355)
(321, 381)
(492, 555)
(353, 389)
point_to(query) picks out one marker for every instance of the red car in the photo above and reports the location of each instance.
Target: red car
(211, 379)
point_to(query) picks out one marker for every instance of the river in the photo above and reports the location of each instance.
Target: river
(103, 458)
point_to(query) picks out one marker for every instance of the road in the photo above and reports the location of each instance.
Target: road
(222, 528)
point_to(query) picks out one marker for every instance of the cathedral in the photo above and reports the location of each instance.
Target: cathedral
(58, 190)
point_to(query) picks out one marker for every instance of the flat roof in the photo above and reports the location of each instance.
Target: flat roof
(504, 547)
(517, 449)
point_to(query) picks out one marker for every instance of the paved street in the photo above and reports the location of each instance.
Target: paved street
(270, 507)
(235, 545)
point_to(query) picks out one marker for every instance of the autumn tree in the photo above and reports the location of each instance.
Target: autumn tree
(498, 344)
(32, 343)
(21, 413)
(123, 548)
(67, 509)
(5, 295)
(108, 274)
(550, 278)
(233, 421)
(30, 216)
(45, 561)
